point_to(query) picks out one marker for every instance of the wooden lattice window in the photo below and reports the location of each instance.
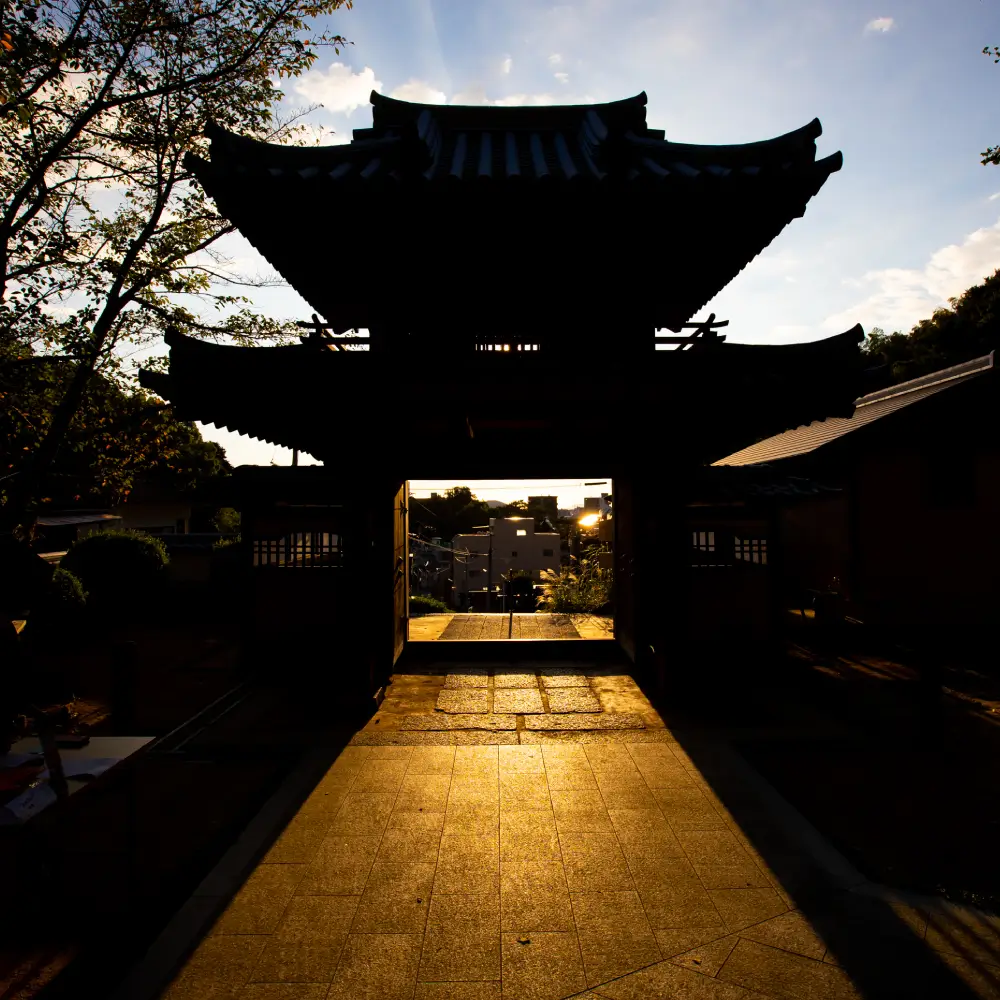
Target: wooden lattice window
(751, 550)
(703, 541)
(705, 552)
(298, 550)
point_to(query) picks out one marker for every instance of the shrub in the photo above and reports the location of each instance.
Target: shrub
(119, 566)
(227, 543)
(227, 521)
(65, 591)
(420, 605)
(584, 588)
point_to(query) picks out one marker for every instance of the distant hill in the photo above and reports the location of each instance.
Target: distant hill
(495, 503)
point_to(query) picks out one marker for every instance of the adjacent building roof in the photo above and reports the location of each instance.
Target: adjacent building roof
(59, 520)
(867, 409)
(504, 218)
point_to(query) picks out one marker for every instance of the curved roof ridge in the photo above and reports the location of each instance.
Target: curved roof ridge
(798, 140)
(228, 143)
(384, 102)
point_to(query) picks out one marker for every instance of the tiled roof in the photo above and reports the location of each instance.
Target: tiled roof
(57, 520)
(867, 409)
(449, 210)
(576, 143)
(295, 395)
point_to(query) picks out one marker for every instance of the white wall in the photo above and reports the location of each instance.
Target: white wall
(516, 545)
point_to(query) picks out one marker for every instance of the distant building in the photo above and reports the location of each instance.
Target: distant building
(515, 546)
(58, 530)
(592, 504)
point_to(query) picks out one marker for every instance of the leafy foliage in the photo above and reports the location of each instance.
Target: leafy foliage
(227, 521)
(66, 589)
(104, 237)
(59, 608)
(118, 565)
(420, 605)
(992, 153)
(968, 329)
(576, 589)
(115, 442)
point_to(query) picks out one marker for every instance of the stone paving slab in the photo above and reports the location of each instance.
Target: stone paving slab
(467, 702)
(455, 738)
(434, 865)
(601, 736)
(469, 677)
(517, 701)
(600, 721)
(563, 679)
(573, 700)
(514, 679)
(441, 722)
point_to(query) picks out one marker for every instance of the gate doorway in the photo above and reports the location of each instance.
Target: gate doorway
(511, 560)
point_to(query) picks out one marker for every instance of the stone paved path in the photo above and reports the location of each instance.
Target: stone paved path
(430, 627)
(543, 863)
(521, 626)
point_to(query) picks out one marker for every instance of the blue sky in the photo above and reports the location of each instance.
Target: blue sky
(901, 88)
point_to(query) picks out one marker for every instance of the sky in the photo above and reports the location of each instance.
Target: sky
(902, 89)
(570, 492)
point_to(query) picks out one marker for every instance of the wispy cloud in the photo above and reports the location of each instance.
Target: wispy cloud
(506, 65)
(555, 59)
(420, 92)
(337, 88)
(562, 77)
(882, 24)
(994, 196)
(476, 94)
(898, 298)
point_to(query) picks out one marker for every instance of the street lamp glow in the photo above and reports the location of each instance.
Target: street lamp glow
(589, 520)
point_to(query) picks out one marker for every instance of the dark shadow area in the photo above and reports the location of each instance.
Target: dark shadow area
(420, 656)
(94, 879)
(781, 713)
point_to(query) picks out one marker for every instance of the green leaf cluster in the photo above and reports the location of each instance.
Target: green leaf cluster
(105, 238)
(117, 442)
(967, 329)
(118, 566)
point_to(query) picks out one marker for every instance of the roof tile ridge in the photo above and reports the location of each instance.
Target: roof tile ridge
(973, 366)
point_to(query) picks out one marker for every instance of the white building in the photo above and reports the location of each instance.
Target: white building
(515, 544)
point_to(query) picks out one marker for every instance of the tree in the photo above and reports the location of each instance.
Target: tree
(117, 440)
(992, 153)
(100, 103)
(968, 329)
(458, 512)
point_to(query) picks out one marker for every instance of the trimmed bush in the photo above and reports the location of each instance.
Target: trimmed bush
(426, 605)
(65, 591)
(125, 567)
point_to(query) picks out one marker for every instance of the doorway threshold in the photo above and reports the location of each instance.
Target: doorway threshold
(508, 650)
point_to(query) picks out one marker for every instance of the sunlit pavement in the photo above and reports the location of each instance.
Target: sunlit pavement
(537, 625)
(535, 831)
